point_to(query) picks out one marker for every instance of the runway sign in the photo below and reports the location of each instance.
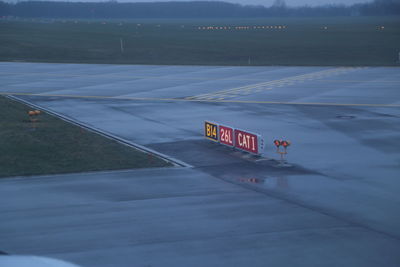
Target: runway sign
(249, 142)
(226, 135)
(239, 139)
(211, 131)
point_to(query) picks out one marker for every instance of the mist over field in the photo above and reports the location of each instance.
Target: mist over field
(266, 3)
(201, 33)
(186, 9)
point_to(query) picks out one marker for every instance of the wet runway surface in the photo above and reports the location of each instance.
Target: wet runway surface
(335, 204)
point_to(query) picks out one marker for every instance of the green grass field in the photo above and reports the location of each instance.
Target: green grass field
(52, 146)
(344, 41)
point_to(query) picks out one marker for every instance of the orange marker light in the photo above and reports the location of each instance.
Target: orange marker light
(277, 143)
(285, 144)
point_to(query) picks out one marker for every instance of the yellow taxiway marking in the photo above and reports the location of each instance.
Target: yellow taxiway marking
(221, 100)
(259, 87)
(358, 81)
(122, 76)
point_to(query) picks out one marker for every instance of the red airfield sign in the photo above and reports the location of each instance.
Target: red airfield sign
(242, 140)
(226, 135)
(247, 141)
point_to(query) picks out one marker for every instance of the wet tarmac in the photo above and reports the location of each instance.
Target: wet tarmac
(334, 203)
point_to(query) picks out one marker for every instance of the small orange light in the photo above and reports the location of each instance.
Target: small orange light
(285, 143)
(277, 143)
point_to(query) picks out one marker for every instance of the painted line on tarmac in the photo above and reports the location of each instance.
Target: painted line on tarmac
(123, 141)
(116, 76)
(256, 88)
(201, 100)
(179, 78)
(88, 173)
(358, 81)
(161, 77)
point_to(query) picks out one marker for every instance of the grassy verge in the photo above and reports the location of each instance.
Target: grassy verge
(52, 146)
(331, 41)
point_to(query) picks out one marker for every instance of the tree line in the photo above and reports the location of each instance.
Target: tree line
(195, 9)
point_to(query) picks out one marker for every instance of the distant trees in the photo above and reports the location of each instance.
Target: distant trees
(279, 4)
(381, 7)
(196, 9)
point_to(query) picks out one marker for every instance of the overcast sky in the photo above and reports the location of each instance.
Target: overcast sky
(269, 2)
(299, 2)
(244, 2)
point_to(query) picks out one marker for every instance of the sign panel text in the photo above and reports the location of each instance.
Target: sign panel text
(211, 131)
(226, 135)
(246, 141)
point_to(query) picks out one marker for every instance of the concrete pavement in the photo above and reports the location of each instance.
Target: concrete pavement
(336, 206)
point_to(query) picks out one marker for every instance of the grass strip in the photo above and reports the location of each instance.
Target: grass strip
(331, 41)
(53, 146)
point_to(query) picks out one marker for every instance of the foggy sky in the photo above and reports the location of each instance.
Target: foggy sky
(243, 2)
(269, 2)
(299, 2)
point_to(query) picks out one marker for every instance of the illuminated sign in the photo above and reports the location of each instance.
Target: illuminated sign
(226, 135)
(248, 142)
(211, 131)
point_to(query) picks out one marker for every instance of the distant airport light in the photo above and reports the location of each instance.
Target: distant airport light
(237, 27)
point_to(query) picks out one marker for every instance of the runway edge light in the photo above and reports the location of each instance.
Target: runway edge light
(277, 143)
(33, 115)
(285, 144)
